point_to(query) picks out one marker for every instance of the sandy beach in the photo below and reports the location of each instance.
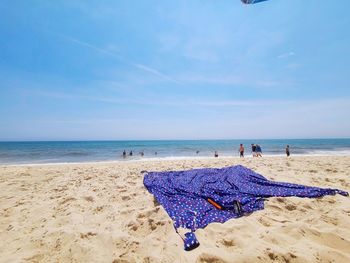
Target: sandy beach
(101, 212)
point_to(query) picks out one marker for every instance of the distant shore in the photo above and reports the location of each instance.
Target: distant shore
(101, 212)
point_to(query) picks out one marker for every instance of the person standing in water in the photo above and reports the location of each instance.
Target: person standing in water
(253, 150)
(258, 151)
(124, 154)
(216, 154)
(241, 150)
(287, 151)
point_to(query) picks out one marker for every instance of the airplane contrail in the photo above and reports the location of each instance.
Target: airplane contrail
(136, 65)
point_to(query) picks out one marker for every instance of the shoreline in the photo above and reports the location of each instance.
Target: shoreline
(172, 158)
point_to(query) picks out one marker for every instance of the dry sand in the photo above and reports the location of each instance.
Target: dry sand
(100, 212)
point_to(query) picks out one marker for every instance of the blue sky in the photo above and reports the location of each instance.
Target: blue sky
(200, 69)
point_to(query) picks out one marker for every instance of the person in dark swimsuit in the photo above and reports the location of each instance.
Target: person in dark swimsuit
(258, 151)
(241, 150)
(287, 151)
(253, 150)
(216, 154)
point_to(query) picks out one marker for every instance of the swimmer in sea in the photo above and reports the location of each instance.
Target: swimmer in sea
(241, 150)
(253, 150)
(287, 151)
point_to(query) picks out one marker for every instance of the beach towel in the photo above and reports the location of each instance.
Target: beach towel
(195, 198)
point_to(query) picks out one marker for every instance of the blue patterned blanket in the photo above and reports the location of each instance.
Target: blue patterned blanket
(195, 198)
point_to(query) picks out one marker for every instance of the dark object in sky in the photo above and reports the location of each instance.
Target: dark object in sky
(252, 1)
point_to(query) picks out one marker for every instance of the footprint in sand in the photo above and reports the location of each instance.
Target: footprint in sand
(281, 200)
(207, 258)
(66, 200)
(264, 222)
(275, 207)
(19, 203)
(98, 209)
(228, 242)
(281, 257)
(126, 197)
(290, 207)
(148, 213)
(87, 235)
(144, 226)
(88, 198)
(119, 260)
(134, 226)
(155, 203)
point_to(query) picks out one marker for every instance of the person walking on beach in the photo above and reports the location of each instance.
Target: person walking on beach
(258, 151)
(287, 151)
(241, 150)
(253, 150)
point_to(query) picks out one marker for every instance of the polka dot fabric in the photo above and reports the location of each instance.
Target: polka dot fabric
(184, 194)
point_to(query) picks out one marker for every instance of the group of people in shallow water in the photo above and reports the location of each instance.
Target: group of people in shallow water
(124, 154)
(256, 151)
(131, 154)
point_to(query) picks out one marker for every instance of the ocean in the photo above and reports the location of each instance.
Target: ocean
(88, 151)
